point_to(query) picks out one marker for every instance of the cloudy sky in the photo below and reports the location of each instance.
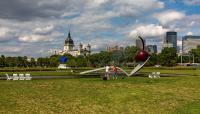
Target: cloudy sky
(39, 27)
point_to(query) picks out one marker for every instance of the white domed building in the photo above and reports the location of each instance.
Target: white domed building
(69, 48)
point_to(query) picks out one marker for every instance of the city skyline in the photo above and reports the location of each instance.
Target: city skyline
(39, 27)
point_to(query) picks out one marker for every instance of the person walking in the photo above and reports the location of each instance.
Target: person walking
(107, 72)
(114, 72)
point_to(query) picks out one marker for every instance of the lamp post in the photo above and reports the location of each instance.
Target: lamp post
(189, 54)
(181, 58)
(193, 58)
(182, 51)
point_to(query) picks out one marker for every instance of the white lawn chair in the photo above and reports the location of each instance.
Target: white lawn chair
(150, 76)
(9, 77)
(153, 74)
(15, 77)
(158, 74)
(21, 77)
(28, 76)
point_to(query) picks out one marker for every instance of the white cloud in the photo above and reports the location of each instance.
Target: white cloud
(40, 38)
(6, 34)
(117, 8)
(169, 16)
(44, 30)
(189, 23)
(192, 20)
(95, 3)
(10, 49)
(135, 7)
(52, 51)
(150, 30)
(68, 14)
(32, 38)
(91, 20)
(189, 33)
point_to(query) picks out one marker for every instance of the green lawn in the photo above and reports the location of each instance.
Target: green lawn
(167, 95)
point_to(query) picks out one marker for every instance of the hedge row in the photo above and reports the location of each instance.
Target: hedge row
(25, 69)
(16, 69)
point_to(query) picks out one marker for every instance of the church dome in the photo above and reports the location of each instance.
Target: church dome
(69, 40)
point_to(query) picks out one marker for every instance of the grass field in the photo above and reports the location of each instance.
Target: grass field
(134, 95)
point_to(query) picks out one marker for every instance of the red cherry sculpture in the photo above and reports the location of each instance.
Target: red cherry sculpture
(142, 55)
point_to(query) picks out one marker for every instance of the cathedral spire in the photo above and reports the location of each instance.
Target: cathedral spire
(69, 34)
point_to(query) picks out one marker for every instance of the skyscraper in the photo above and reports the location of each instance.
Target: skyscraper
(170, 39)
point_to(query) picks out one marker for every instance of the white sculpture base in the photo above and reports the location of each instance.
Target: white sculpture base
(62, 66)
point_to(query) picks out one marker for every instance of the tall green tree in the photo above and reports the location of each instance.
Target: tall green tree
(81, 61)
(168, 57)
(196, 54)
(129, 53)
(153, 60)
(118, 57)
(100, 59)
(3, 61)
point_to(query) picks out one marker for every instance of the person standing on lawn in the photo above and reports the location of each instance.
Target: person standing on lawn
(107, 72)
(114, 72)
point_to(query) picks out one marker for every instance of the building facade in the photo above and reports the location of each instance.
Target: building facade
(190, 42)
(170, 40)
(114, 48)
(69, 48)
(151, 49)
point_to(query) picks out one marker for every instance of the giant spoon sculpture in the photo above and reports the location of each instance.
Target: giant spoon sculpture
(141, 57)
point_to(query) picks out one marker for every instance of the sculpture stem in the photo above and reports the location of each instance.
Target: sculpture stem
(142, 42)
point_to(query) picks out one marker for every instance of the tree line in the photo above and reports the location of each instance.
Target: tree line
(125, 57)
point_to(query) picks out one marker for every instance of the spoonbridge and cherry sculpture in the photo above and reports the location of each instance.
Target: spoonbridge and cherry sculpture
(141, 58)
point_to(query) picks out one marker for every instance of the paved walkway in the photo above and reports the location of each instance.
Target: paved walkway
(57, 77)
(97, 76)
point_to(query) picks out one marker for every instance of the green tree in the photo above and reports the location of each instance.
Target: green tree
(153, 60)
(54, 60)
(196, 54)
(43, 62)
(3, 62)
(71, 63)
(81, 61)
(100, 59)
(11, 61)
(168, 57)
(32, 62)
(118, 57)
(129, 53)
